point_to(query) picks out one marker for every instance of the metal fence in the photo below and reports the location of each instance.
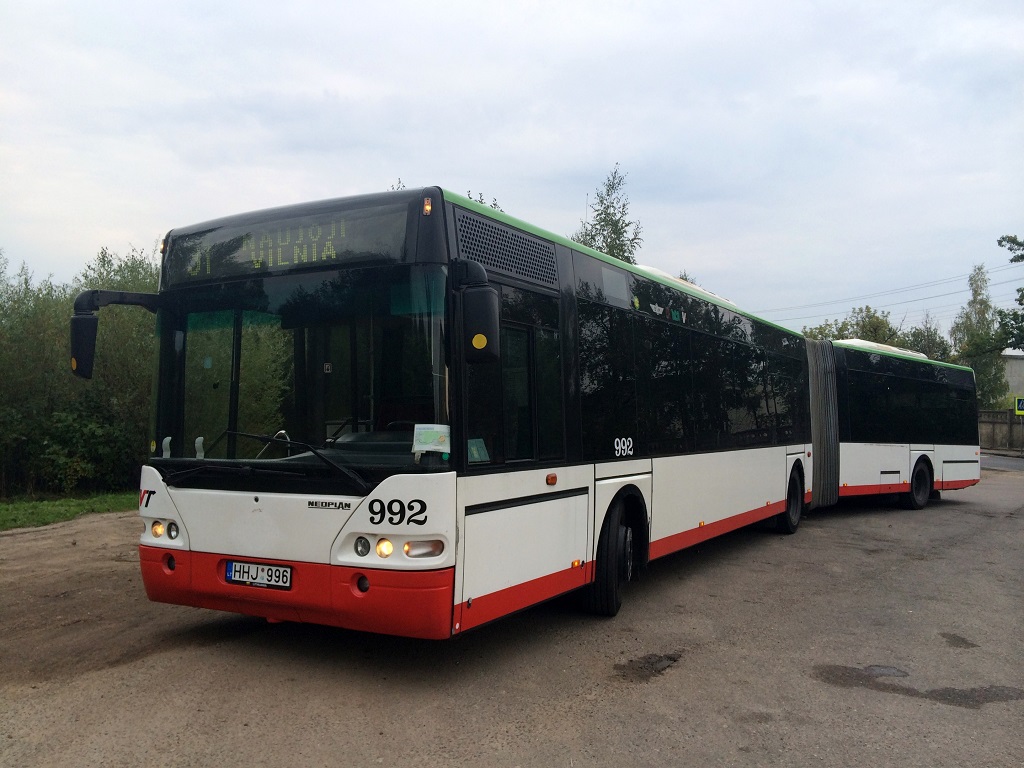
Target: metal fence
(1001, 430)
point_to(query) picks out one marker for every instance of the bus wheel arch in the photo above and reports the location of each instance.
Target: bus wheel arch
(922, 482)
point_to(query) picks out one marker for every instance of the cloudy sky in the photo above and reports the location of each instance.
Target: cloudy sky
(786, 154)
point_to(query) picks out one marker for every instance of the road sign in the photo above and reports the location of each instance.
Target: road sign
(1020, 405)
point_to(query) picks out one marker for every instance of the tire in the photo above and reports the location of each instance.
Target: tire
(787, 522)
(920, 486)
(614, 568)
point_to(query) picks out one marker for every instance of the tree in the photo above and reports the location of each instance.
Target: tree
(926, 338)
(610, 230)
(1011, 321)
(871, 325)
(862, 323)
(33, 375)
(684, 275)
(480, 199)
(976, 341)
(59, 434)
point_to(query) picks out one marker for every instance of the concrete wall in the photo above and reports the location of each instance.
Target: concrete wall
(1001, 430)
(1014, 362)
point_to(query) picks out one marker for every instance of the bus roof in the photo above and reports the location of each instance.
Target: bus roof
(886, 349)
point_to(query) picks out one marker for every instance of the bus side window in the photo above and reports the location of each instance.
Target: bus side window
(607, 381)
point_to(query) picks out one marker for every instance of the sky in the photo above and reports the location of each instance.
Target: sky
(798, 158)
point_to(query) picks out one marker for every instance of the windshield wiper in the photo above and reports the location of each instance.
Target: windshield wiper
(361, 484)
(225, 469)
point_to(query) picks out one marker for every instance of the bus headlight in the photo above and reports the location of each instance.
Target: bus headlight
(172, 530)
(384, 548)
(362, 546)
(157, 529)
(431, 548)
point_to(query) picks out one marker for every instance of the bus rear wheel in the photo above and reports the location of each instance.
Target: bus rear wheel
(920, 486)
(614, 566)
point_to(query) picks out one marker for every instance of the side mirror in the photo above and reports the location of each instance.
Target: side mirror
(481, 309)
(83, 344)
(85, 322)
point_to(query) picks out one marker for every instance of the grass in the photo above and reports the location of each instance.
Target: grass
(30, 514)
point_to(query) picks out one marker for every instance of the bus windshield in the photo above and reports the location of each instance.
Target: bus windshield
(321, 377)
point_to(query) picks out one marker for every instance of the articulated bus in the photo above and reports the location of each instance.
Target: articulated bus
(411, 414)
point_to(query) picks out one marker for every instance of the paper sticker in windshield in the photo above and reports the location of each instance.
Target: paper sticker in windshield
(431, 437)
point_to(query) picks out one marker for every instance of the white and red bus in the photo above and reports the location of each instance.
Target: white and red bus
(412, 414)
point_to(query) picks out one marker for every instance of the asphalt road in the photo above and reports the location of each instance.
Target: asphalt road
(1004, 462)
(874, 637)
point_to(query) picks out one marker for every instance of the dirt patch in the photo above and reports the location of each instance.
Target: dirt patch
(873, 678)
(645, 668)
(72, 601)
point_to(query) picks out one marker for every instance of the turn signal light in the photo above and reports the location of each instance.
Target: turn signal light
(431, 548)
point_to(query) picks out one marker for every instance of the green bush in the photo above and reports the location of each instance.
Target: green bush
(58, 433)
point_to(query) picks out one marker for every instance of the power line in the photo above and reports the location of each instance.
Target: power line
(891, 304)
(889, 292)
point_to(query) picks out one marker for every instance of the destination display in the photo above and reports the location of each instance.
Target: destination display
(251, 246)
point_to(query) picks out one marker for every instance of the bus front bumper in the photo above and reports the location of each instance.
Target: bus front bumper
(407, 603)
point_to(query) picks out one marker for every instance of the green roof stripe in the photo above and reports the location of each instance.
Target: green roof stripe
(639, 271)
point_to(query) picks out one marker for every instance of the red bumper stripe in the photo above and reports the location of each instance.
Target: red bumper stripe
(678, 541)
(480, 610)
(874, 490)
(407, 603)
(954, 485)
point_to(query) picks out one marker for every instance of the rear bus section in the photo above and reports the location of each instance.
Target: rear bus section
(381, 563)
(891, 421)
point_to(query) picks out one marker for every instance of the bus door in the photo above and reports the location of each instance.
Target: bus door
(525, 518)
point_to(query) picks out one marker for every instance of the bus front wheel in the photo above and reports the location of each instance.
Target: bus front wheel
(614, 566)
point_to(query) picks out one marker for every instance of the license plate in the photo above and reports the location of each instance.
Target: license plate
(259, 575)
